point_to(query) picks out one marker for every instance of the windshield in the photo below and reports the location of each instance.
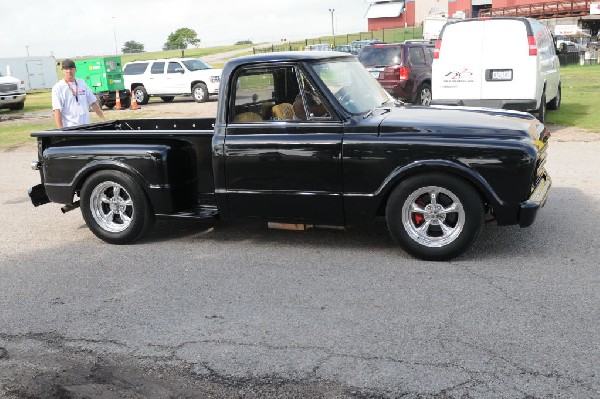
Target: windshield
(196, 65)
(352, 86)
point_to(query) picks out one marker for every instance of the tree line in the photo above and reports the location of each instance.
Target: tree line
(178, 40)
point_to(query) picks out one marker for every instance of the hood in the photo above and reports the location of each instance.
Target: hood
(463, 121)
(210, 72)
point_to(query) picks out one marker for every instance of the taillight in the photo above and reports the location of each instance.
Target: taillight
(436, 50)
(403, 73)
(532, 45)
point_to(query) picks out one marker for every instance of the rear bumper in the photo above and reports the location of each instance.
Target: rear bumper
(38, 195)
(529, 208)
(517, 105)
(398, 89)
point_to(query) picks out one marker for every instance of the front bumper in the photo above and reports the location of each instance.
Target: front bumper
(536, 200)
(7, 99)
(516, 105)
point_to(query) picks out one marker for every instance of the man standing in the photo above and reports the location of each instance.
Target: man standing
(72, 99)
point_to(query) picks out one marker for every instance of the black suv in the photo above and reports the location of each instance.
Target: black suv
(403, 69)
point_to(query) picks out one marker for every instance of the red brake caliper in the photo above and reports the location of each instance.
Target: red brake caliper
(418, 217)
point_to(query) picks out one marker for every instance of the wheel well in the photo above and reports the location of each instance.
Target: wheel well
(194, 83)
(454, 173)
(87, 174)
(134, 85)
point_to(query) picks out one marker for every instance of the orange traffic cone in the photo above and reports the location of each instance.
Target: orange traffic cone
(134, 104)
(118, 104)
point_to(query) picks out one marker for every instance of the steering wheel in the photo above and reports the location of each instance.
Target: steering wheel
(345, 99)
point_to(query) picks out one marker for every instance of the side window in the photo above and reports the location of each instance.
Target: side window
(416, 55)
(174, 67)
(157, 67)
(429, 54)
(275, 94)
(135, 69)
(253, 96)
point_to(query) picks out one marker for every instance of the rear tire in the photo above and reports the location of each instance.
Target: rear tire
(115, 207)
(555, 103)
(541, 112)
(423, 96)
(435, 216)
(141, 95)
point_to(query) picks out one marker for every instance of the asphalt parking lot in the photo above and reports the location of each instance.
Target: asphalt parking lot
(236, 310)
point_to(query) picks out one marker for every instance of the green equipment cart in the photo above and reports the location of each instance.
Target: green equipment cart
(104, 76)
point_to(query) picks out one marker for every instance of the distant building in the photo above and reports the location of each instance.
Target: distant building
(36, 72)
(386, 14)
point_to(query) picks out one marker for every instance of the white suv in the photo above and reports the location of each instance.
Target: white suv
(12, 93)
(167, 78)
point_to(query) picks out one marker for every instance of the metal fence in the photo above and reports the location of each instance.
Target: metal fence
(385, 35)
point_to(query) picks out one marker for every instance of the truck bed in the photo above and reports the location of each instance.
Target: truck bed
(193, 127)
(188, 163)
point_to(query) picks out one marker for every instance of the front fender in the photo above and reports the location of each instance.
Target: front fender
(361, 208)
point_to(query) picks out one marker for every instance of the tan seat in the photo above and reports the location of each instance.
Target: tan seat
(247, 117)
(283, 111)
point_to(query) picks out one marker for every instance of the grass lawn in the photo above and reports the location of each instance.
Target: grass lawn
(580, 107)
(580, 98)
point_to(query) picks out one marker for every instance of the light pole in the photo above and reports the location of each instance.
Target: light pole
(115, 35)
(331, 10)
(27, 49)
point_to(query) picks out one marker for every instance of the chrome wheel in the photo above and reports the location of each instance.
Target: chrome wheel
(199, 94)
(111, 207)
(433, 216)
(425, 95)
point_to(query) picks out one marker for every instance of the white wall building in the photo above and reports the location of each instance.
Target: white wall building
(36, 72)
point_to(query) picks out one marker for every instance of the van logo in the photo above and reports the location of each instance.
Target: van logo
(464, 75)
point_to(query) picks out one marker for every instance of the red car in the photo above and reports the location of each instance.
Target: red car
(403, 69)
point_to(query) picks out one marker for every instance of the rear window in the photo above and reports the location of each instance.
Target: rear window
(380, 56)
(135, 69)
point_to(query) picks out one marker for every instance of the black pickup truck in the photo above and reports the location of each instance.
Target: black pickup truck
(304, 139)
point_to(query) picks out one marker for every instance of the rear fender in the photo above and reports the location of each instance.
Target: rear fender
(166, 172)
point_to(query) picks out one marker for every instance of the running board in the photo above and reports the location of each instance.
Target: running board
(202, 212)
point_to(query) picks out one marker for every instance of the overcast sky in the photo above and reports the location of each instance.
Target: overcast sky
(85, 27)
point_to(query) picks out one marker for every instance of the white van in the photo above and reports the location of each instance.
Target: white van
(508, 63)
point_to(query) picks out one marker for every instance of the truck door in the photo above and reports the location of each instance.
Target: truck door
(175, 80)
(156, 82)
(279, 167)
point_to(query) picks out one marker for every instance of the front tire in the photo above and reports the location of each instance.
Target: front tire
(17, 107)
(435, 216)
(200, 92)
(141, 95)
(115, 207)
